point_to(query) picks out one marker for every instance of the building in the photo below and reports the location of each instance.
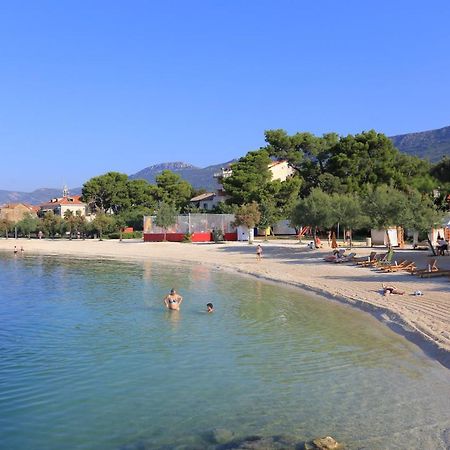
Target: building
(65, 203)
(206, 201)
(281, 170)
(15, 212)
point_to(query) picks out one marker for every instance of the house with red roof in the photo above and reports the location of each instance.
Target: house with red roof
(62, 204)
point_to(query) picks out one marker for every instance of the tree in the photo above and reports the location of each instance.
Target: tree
(171, 188)
(249, 179)
(108, 192)
(248, 215)
(5, 226)
(80, 224)
(166, 215)
(134, 217)
(52, 224)
(103, 223)
(314, 211)
(141, 193)
(385, 206)
(28, 224)
(346, 210)
(421, 214)
(70, 221)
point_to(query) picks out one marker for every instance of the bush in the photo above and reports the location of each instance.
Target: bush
(133, 235)
(187, 237)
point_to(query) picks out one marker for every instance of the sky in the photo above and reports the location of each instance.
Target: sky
(88, 87)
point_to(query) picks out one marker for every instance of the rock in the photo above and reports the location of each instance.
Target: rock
(221, 435)
(327, 443)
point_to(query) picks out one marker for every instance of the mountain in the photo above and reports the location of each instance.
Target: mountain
(199, 178)
(33, 198)
(431, 145)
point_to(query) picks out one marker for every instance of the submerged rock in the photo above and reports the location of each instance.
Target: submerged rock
(326, 443)
(221, 435)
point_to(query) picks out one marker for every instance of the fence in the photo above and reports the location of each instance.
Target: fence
(200, 226)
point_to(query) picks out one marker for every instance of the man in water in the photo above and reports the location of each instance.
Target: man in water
(209, 307)
(173, 300)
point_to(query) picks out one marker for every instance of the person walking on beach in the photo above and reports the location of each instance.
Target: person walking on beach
(259, 252)
(173, 300)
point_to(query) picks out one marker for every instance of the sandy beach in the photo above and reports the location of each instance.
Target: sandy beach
(424, 319)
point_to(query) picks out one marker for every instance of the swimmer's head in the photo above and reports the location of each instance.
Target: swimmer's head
(173, 291)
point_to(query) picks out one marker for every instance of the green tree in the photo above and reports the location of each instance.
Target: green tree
(166, 215)
(70, 222)
(421, 214)
(346, 210)
(385, 206)
(80, 225)
(249, 179)
(52, 224)
(143, 194)
(28, 225)
(248, 215)
(134, 217)
(108, 192)
(171, 188)
(314, 211)
(6, 226)
(103, 223)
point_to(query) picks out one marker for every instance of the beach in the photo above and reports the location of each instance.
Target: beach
(424, 319)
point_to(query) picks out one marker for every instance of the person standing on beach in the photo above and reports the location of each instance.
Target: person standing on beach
(173, 300)
(259, 252)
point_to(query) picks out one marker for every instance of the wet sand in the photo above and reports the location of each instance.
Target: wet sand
(424, 319)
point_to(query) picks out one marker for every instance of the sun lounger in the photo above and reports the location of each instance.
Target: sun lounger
(396, 266)
(386, 261)
(345, 258)
(436, 273)
(373, 261)
(364, 258)
(432, 267)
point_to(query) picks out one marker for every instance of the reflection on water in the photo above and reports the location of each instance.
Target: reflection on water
(91, 359)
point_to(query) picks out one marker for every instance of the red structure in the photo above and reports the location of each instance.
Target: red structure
(205, 236)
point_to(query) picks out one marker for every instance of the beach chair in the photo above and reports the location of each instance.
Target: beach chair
(345, 258)
(432, 267)
(364, 258)
(398, 265)
(436, 273)
(372, 261)
(386, 261)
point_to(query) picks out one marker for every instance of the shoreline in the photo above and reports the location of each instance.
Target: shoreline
(423, 320)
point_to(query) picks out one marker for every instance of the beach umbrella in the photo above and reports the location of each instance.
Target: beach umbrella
(333, 240)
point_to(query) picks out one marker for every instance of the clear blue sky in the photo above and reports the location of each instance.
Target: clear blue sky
(92, 86)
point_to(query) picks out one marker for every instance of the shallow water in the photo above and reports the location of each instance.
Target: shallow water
(90, 359)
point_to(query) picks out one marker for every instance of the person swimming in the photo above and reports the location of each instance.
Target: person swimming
(209, 307)
(173, 300)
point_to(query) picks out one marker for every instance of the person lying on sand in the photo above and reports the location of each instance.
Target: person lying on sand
(391, 289)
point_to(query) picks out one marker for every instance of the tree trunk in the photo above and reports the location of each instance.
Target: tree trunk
(314, 236)
(388, 238)
(431, 246)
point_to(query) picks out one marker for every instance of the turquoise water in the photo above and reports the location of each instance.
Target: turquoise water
(90, 359)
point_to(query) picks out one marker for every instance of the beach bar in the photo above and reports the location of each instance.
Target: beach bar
(196, 227)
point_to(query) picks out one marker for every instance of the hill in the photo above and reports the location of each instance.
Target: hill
(33, 198)
(432, 145)
(198, 177)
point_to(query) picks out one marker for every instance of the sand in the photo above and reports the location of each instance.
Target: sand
(425, 319)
